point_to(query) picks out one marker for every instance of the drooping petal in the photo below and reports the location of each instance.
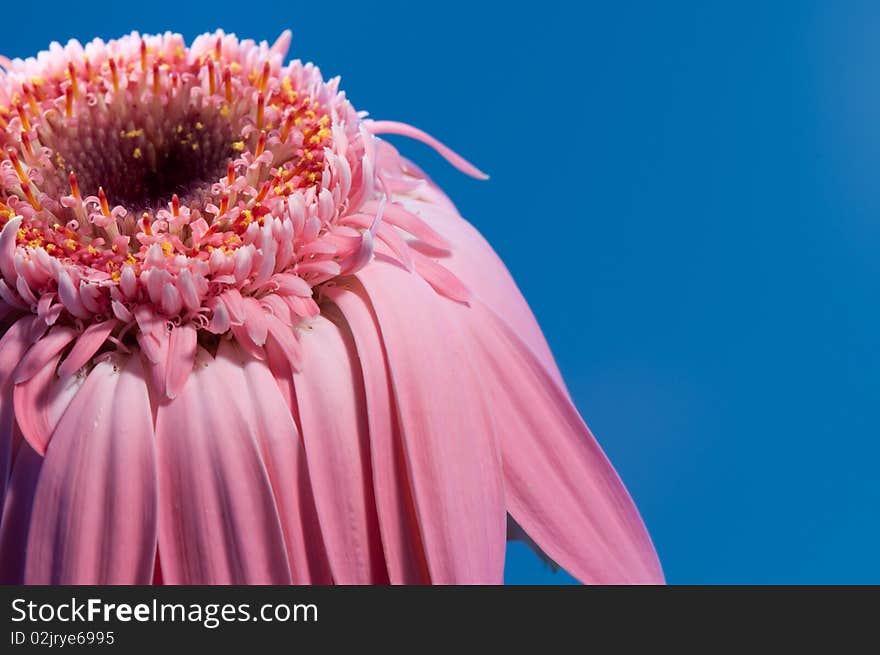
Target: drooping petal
(401, 541)
(559, 486)
(94, 513)
(447, 431)
(393, 127)
(41, 401)
(332, 412)
(217, 520)
(474, 262)
(87, 344)
(42, 352)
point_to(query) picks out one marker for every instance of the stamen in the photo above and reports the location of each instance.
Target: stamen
(102, 200)
(227, 83)
(26, 142)
(16, 164)
(25, 123)
(211, 85)
(68, 102)
(261, 107)
(71, 75)
(156, 79)
(74, 186)
(114, 75)
(264, 78)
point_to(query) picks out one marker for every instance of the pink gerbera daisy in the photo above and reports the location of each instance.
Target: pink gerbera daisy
(245, 341)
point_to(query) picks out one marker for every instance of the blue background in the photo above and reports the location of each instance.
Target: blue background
(687, 194)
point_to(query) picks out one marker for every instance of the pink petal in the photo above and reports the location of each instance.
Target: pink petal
(332, 413)
(42, 352)
(440, 278)
(154, 347)
(181, 356)
(558, 483)
(94, 513)
(393, 127)
(40, 403)
(7, 249)
(87, 344)
(399, 216)
(217, 520)
(448, 436)
(473, 261)
(404, 555)
(266, 410)
(318, 565)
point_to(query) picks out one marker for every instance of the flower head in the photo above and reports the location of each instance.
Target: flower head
(246, 341)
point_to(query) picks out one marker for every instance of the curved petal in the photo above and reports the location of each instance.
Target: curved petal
(87, 344)
(474, 261)
(94, 513)
(217, 519)
(41, 401)
(559, 485)
(404, 553)
(448, 435)
(42, 352)
(332, 412)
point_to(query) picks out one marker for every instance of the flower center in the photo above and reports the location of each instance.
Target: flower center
(155, 145)
(141, 158)
(143, 178)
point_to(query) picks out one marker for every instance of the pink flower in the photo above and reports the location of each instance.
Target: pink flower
(245, 341)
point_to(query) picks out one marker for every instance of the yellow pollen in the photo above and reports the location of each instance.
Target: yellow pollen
(167, 248)
(137, 154)
(238, 146)
(200, 125)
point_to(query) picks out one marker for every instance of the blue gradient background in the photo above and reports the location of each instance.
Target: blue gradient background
(687, 195)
